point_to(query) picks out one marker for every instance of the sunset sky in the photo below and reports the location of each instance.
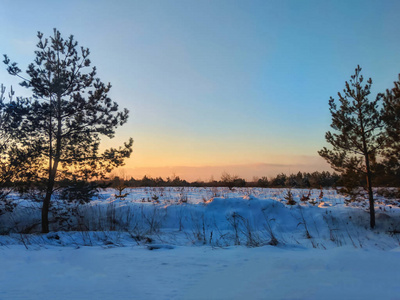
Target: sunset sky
(213, 86)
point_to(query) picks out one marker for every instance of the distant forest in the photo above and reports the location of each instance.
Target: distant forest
(316, 179)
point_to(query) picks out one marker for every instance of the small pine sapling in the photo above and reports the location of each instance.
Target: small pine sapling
(305, 198)
(289, 198)
(321, 194)
(120, 188)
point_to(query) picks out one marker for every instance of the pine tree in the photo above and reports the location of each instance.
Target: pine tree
(391, 118)
(58, 130)
(357, 136)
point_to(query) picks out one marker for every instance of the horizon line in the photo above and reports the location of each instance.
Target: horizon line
(204, 173)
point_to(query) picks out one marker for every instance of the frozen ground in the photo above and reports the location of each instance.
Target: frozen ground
(199, 243)
(198, 273)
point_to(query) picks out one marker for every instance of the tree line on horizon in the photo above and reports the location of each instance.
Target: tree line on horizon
(305, 180)
(299, 180)
(50, 141)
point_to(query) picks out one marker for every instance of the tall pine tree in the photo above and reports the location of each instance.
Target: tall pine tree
(357, 135)
(58, 130)
(391, 118)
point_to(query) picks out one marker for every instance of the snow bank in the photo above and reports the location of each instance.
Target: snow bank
(209, 216)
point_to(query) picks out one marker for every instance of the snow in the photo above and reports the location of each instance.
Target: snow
(219, 244)
(198, 273)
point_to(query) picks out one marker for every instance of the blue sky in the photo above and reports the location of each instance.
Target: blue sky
(219, 85)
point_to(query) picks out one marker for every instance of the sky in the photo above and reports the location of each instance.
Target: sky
(218, 86)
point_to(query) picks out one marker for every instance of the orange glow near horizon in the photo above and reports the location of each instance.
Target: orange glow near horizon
(201, 158)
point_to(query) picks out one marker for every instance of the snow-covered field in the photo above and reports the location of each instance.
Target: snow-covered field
(134, 272)
(203, 243)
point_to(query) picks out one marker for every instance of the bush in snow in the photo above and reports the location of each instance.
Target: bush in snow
(289, 197)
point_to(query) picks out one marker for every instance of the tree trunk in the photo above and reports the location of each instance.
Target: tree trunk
(45, 209)
(46, 203)
(47, 198)
(367, 165)
(370, 194)
(50, 183)
(52, 170)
